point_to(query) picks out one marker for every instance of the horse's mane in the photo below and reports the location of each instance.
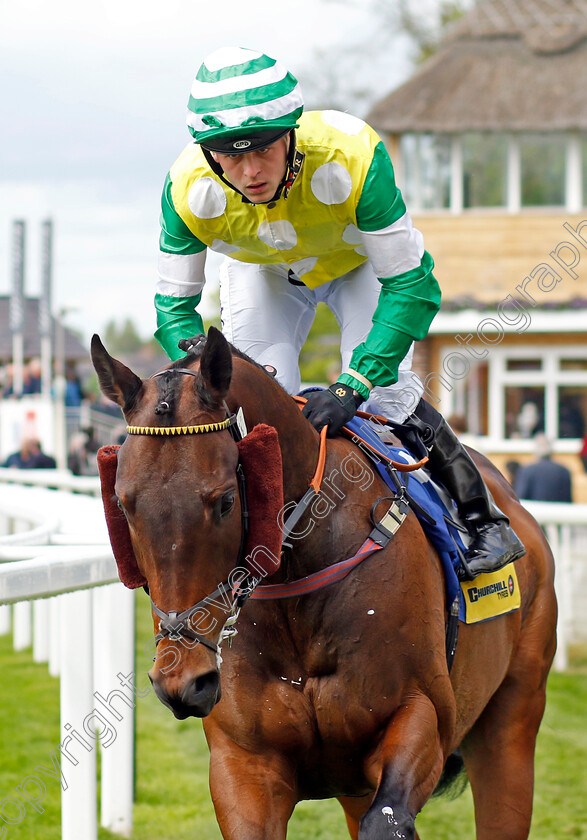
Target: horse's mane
(168, 386)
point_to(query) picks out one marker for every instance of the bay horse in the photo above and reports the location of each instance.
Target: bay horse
(344, 691)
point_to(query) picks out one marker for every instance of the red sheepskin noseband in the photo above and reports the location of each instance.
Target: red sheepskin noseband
(260, 456)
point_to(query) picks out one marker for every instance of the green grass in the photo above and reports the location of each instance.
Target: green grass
(172, 797)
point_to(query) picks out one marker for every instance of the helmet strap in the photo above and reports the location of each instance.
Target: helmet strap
(294, 162)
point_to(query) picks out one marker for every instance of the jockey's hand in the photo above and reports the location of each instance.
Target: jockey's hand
(196, 341)
(333, 407)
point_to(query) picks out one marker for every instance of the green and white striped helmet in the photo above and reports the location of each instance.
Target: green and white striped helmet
(241, 100)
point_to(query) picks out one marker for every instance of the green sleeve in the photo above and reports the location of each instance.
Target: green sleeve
(176, 318)
(176, 237)
(407, 304)
(381, 203)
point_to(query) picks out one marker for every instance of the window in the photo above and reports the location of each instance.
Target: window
(543, 161)
(572, 411)
(484, 170)
(516, 392)
(484, 163)
(523, 364)
(573, 364)
(544, 391)
(426, 171)
(524, 412)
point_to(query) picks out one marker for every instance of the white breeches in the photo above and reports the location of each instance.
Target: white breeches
(269, 318)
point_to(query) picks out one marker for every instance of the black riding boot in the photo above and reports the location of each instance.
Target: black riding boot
(493, 542)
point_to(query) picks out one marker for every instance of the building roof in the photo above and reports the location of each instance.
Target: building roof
(544, 321)
(517, 65)
(74, 349)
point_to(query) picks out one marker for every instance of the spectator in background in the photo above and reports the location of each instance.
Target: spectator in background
(83, 447)
(512, 468)
(31, 382)
(73, 388)
(544, 480)
(529, 420)
(30, 456)
(8, 381)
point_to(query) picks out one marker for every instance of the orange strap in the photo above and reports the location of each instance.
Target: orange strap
(318, 475)
(398, 465)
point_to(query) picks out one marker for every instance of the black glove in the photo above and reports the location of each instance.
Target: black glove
(195, 343)
(333, 407)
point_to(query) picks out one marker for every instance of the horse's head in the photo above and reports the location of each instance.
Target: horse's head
(176, 482)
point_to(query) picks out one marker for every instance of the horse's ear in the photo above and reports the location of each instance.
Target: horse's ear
(117, 382)
(216, 364)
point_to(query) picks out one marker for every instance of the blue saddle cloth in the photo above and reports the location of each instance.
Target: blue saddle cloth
(445, 539)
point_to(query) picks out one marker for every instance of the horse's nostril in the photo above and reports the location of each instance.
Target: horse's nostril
(203, 693)
(206, 683)
(194, 698)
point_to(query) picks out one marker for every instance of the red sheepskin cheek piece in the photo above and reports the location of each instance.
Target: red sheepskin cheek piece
(260, 456)
(118, 531)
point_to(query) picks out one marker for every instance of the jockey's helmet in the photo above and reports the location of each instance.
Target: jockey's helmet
(242, 100)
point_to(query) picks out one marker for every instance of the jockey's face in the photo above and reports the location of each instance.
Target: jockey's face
(258, 174)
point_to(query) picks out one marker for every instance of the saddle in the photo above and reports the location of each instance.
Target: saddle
(489, 595)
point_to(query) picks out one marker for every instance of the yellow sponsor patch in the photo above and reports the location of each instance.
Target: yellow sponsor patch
(491, 594)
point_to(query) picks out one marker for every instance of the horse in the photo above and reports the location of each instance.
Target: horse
(343, 691)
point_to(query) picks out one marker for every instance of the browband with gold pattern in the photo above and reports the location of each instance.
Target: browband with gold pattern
(181, 430)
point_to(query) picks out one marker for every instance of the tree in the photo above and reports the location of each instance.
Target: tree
(124, 339)
(399, 35)
(425, 32)
(320, 356)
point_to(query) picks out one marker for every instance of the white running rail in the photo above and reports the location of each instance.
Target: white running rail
(58, 573)
(565, 526)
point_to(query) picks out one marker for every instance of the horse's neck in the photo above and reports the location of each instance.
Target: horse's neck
(264, 401)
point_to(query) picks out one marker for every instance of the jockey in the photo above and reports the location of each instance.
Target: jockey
(305, 208)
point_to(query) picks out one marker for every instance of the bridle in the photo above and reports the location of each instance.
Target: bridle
(177, 625)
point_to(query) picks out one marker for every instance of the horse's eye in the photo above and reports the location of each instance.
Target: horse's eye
(226, 503)
(121, 507)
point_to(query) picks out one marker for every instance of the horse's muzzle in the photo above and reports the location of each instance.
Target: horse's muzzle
(195, 698)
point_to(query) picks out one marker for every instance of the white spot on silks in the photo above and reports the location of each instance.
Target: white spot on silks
(173, 547)
(370, 612)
